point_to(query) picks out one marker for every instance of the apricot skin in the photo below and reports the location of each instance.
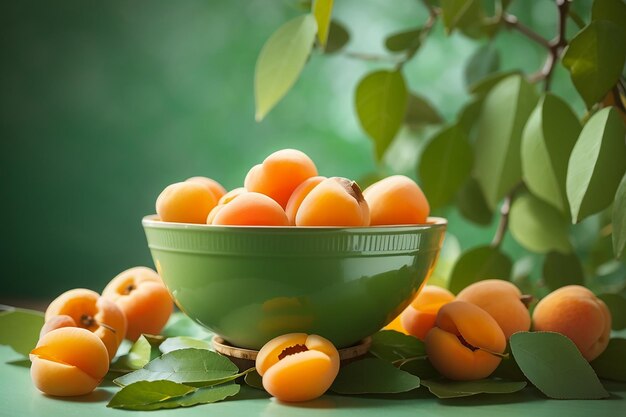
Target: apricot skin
(90, 311)
(501, 299)
(280, 174)
(250, 209)
(215, 187)
(334, 202)
(459, 345)
(57, 322)
(185, 202)
(140, 293)
(396, 200)
(577, 313)
(297, 367)
(298, 195)
(68, 361)
(419, 317)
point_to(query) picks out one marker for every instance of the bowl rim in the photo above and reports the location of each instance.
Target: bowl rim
(152, 221)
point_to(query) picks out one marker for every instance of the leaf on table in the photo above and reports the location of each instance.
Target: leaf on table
(19, 329)
(595, 59)
(561, 269)
(617, 306)
(322, 10)
(455, 389)
(420, 112)
(483, 62)
(254, 380)
(619, 219)
(597, 164)
(391, 346)
(373, 376)
(553, 364)
(504, 113)
(196, 367)
(420, 367)
(184, 342)
(538, 226)
(281, 61)
(381, 101)
(547, 142)
(611, 364)
(338, 37)
(444, 166)
(143, 395)
(472, 205)
(181, 325)
(477, 264)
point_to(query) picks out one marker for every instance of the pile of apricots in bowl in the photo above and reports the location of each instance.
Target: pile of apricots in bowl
(286, 190)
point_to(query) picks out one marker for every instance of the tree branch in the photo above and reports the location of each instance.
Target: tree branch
(513, 22)
(505, 210)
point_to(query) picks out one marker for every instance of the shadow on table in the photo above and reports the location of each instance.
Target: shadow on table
(99, 395)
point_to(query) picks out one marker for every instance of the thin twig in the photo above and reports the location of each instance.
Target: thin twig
(364, 56)
(514, 23)
(576, 18)
(505, 210)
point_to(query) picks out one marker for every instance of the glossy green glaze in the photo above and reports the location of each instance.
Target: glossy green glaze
(250, 284)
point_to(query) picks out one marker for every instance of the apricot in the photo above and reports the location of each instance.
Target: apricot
(466, 342)
(396, 200)
(334, 201)
(250, 209)
(68, 361)
(87, 309)
(298, 195)
(215, 187)
(577, 313)
(280, 174)
(297, 366)
(503, 300)
(185, 202)
(419, 317)
(229, 196)
(140, 293)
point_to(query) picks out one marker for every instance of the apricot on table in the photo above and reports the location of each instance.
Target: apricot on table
(280, 174)
(466, 342)
(577, 313)
(229, 196)
(419, 317)
(140, 293)
(334, 201)
(396, 200)
(68, 361)
(87, 309)
(250, 209)
(215, 187)
(298, 195)
(185, 202)
(297, 366)
(503, 300)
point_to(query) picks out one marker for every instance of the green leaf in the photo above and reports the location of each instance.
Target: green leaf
(143, 395)
(391, 346)
(181, 325)
(467, 119)
(455, 389)
(136, 358)
(617, 306)
(183, 342)
(444, 165)
(484, 86)
(420, 367)
(483, 62)
(554, 365)
(420, 112)
(322, 10)
(497, 155)
(338, 37)
(281, 61)
(460, 14)
(19, 329)
(472, 204)
(619, 219)
(483, 262)
(597, 164)
(613, 10)
(595, 59)
(373, 376)
(205, 395)
(407, 40)
(381, 100)
(611, 364)
(561, 269)
(196, 367)
(547, 142)
(538, 226)
(254, 380)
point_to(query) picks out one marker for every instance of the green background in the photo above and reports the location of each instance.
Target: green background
(103, 104)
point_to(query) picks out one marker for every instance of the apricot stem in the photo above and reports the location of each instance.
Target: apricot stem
(88, 321)
(130, 288)
(499, 355)
(526, 299)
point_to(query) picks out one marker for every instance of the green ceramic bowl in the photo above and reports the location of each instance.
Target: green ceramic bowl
(251, 284)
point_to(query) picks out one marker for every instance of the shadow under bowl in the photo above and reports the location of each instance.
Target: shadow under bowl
(251, 284)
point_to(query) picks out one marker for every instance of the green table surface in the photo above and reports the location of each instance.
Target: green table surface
(19, 398)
